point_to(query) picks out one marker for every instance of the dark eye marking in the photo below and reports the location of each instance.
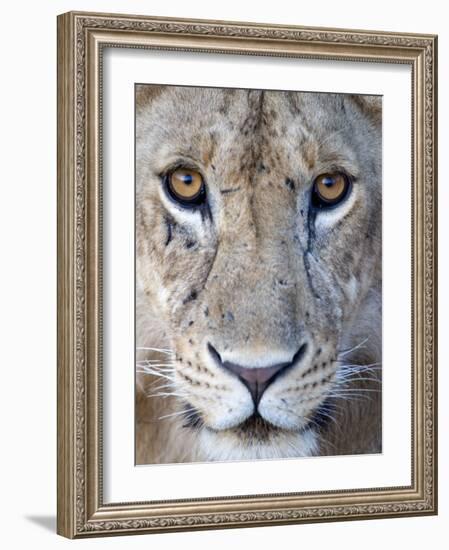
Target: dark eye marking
(290, 184)
(176, 230)
(169, 225)
(230, 190)
(191, 297)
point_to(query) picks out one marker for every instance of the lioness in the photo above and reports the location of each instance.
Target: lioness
(258, 266)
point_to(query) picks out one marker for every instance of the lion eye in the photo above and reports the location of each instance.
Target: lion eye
(186, 186)
(330, 189)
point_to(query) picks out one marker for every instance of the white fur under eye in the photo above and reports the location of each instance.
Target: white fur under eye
(328, 217)
(191, 217)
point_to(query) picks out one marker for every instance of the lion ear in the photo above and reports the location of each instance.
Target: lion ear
(370, 105)
(146, 93)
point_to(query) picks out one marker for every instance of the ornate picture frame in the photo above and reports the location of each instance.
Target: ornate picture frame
(82, 509)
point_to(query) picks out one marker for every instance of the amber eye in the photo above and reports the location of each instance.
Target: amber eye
(186, 186)
(330, 189)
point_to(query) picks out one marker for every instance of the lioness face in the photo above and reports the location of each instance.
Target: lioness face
(258, 239)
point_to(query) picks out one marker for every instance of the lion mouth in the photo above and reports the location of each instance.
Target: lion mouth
(254, 428)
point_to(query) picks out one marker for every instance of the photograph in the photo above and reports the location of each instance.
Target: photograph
(247, 284)
(222, 255)
(258, 299)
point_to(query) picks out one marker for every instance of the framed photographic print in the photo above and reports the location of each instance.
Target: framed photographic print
(246, 274)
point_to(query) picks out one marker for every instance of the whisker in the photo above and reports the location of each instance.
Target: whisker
(146, 370)
(321, 412)
(167, 394)
(368, 371)
(357, 390)
(155, 373)
(199, 422)
(161, 386)
(358, 346)
(167, 360)
(369, 365)
(356, 378)
(313, 422)
(159, 350)
(333, 405)
(156, 365)
(321, 428)
(178, 413)
(152, 368)
(344, 375)
(354, 398)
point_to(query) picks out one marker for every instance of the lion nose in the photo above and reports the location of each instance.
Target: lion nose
(256, 379)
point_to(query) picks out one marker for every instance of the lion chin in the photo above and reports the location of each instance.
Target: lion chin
(255, 439)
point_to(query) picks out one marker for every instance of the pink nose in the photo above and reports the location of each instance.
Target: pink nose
(257, 379)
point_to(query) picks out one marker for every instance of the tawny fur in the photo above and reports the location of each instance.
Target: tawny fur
(259, 276)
